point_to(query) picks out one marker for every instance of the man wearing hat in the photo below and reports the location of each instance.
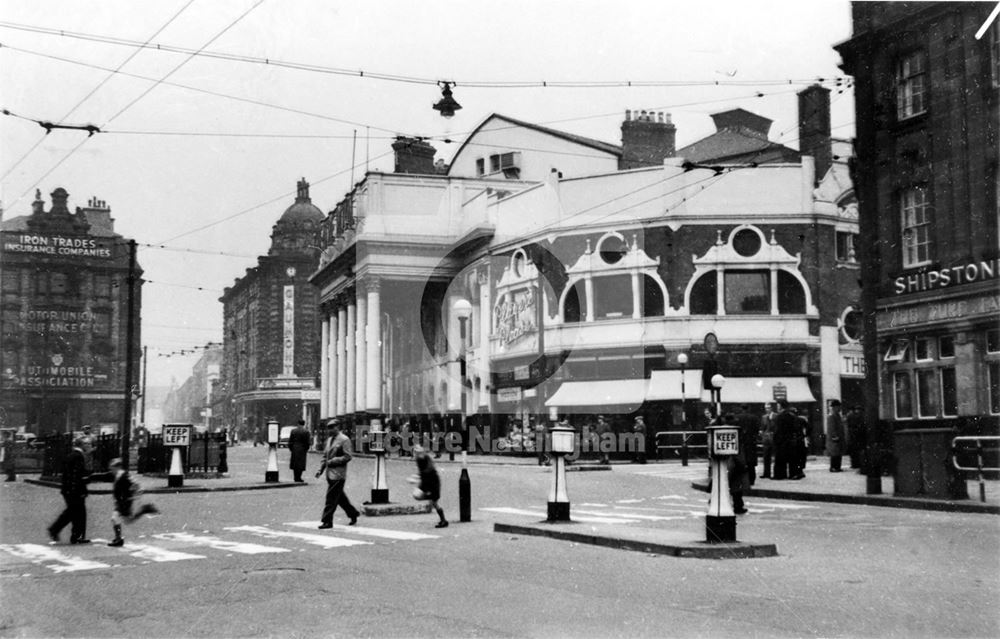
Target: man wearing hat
(74, 492)
(835, 442)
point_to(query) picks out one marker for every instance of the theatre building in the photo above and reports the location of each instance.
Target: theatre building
(546, 275)
(269, 349)
(927, 93)
(64, 284)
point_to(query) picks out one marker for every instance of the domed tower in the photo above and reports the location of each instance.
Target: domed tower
(296, 230)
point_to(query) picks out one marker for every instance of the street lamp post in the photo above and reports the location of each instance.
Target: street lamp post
(380, 480)
(682, 359)
(463, 310)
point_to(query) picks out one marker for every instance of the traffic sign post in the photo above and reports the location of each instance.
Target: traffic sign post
(720, 523)
(176, 436)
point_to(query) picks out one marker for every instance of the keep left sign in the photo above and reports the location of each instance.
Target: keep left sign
(176, 434)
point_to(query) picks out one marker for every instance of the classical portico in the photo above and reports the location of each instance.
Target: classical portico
(351, 351)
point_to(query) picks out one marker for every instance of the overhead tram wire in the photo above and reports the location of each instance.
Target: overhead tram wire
(198, 89)
(111, 74)
(142, 95)
(360, 73)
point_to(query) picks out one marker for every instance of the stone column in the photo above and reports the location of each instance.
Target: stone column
(341, 360)
(588, 287)
(636, 308)
(360, 352)
(350, 354)
(331, 354)
(373, 397)
(324, 365)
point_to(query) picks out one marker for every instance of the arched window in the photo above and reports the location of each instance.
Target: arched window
(572, 308)
(652, 297)
(703, 295)
(791, 297)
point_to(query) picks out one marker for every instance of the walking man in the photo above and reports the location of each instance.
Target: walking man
(298, 447)
(335, 460)
(74, 492)
(767, 439)
(835, 437)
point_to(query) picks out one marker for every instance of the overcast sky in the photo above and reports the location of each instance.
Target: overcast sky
(208, 158)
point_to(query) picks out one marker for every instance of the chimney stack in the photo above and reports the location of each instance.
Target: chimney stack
(814, 127)
(414, 155)
(647, 138)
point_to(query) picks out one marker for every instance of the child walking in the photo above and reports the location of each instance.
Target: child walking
(429, 486)
(124, 491)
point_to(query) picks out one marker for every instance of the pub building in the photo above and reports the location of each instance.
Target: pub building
(926, 174)
(545, 275)
(64, 286)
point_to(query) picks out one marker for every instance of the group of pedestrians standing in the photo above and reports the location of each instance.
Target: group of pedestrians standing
(785, 439)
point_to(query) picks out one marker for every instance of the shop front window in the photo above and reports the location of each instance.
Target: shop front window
(902, 395)
(927, 393)
(949, 393)
(994, 375)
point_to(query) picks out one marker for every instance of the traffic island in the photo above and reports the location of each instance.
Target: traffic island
(383, 510)
(658, 542)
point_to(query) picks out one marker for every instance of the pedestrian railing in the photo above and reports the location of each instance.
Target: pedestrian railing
(980, 450)
(683, 443)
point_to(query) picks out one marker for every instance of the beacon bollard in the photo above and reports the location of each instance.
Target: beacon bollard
(720, 523)
(271, 474)
(380, 480)
(561, 437)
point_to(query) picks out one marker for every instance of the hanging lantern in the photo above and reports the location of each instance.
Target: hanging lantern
(447, 104)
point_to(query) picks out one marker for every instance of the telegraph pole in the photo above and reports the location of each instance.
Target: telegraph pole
(142, 396)
(126, 430)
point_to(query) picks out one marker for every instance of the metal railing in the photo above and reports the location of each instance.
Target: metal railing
(682, 442)
(979, 450)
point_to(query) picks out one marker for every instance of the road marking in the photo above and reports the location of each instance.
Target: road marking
(385, 533)
(540, 514)
(220, 544)
(318, 540)
(631, 515)
(44, 555)
(159, 555)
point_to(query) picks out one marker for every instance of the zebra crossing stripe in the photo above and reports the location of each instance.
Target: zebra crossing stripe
(633, 515)
(51, 558)
(385, 533)
(220, 544)
(319, 540)
(154, 553)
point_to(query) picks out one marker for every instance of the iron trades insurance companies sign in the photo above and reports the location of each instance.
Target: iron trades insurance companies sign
(55, 245)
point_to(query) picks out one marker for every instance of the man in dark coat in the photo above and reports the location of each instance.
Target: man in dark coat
(749, 434)
(835, 437)
(856, 436)
(785, 441)
(298, 445)
(74, 492)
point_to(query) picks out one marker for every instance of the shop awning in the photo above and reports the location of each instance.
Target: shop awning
(760, 390)
(666, 385)
(605, 392)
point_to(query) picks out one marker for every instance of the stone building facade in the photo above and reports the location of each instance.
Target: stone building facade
(927, 94)
(270, 360)
(64, 282)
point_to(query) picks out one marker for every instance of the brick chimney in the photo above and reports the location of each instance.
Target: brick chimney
(414, 155)
(814, 127)
(647, 138)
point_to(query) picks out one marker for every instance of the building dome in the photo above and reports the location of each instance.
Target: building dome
(303, 210)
